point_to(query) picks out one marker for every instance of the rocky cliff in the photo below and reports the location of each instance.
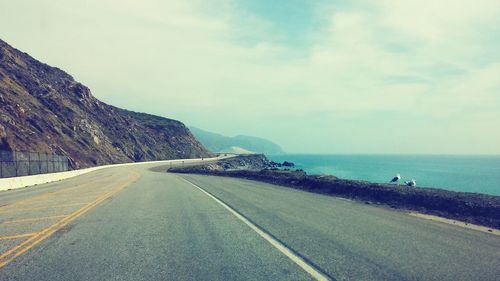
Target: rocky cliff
(44, 109)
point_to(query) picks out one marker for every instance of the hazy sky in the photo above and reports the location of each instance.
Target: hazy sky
(381, 76)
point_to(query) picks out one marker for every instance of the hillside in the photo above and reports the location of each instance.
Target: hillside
(44, 109)
(239, 144)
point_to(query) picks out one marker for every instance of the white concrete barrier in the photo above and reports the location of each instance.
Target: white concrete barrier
(24, 181)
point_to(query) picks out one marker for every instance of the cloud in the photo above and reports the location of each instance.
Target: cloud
(361, 66)
(357, 53)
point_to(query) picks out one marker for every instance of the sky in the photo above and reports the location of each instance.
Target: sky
(357, 76)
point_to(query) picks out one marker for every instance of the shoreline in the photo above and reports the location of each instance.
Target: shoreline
(453, 172)
(472, 209)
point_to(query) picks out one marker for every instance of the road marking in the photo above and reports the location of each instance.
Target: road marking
(17, 236)
(33, 219)
(42, 208)
(88, 186)
(84, 197)
(306, 266)
(40, 198)
(13, 253)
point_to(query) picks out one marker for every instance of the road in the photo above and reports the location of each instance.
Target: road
(132, 223)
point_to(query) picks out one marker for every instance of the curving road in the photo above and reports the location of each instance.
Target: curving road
(132, 223)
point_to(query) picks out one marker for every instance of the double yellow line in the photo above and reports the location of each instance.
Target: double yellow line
(32, 219)
(42, 208)
(17, 236)
(50, 194)
(10, 255)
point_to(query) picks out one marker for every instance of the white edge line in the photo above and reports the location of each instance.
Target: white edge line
(275, 243)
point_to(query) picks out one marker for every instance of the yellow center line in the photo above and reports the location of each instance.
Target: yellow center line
(82, 196)
(43, 208)
(10, 255)
(48, 195)
(33, 219)
(35, 199)
(17, 236)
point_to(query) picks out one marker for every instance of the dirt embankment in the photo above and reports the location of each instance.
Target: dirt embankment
(467, 207)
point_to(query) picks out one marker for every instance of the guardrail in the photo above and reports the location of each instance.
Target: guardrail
(21, 163)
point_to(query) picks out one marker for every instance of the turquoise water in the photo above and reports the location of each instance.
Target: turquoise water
(479, 174)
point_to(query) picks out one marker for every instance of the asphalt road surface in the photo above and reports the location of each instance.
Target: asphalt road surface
(131, 223)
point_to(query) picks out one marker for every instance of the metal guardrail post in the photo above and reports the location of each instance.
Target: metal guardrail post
(15, 160)
(29, 163)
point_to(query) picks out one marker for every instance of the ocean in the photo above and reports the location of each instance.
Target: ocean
(480, 174)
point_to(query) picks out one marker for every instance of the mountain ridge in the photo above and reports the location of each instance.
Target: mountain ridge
(219, 143)
(43, 109)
